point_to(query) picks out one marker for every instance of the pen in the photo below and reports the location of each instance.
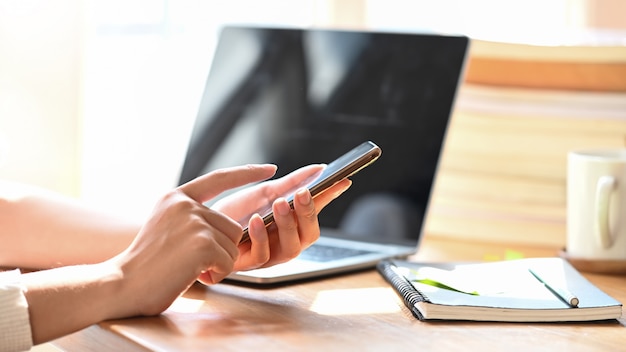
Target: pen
(560, 292)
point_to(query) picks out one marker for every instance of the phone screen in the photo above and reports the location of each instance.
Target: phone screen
(345, 166)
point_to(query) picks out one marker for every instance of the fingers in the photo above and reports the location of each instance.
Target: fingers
(299, 228)
(274, 244)
(293, 230)
(208, 186)
(223, 248)
(287, 225)
(258, 249)
(324, 198)
(219, 223)
(295, 180)
(306, 214)
(221, 251)
(300, 177)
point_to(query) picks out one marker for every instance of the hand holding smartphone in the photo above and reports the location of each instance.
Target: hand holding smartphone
(345, 166)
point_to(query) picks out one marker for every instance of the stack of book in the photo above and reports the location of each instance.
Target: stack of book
(505, 156)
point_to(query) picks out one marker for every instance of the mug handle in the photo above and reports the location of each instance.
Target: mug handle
(604, 187)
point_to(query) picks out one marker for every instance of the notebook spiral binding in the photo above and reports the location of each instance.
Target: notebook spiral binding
(409, 293)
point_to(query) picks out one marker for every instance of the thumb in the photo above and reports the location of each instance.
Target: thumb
(206, 187)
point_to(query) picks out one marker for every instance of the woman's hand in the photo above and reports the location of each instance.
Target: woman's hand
(183, 240)
(292, 230)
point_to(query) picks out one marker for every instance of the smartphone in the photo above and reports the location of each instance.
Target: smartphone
(345, 166)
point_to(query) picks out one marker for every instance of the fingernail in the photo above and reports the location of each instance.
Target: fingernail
(282, 207)
(304, 197)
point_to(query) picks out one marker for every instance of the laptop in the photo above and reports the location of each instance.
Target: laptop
(294, 96)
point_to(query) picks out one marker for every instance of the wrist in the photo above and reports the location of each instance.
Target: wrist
(67, 299)
(111, 300)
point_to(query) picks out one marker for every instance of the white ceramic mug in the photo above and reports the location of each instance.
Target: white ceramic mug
(596, 204)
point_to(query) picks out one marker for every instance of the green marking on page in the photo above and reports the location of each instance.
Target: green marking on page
(443, 279)
(444, 286)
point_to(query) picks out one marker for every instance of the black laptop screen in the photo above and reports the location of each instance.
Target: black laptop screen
(299, 96)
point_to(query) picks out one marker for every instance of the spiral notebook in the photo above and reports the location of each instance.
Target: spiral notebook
(522, 290)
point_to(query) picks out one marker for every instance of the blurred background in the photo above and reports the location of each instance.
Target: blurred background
(97, 98)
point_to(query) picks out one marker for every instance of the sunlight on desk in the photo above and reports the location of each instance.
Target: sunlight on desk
(355, 301)
(186, 305)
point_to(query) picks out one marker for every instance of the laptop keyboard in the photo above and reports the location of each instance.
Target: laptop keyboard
(324, 253)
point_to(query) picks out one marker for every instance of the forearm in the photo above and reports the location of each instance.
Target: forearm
(39, 229)
(65, 300)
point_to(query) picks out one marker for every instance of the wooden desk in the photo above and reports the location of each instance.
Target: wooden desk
(349, 312)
